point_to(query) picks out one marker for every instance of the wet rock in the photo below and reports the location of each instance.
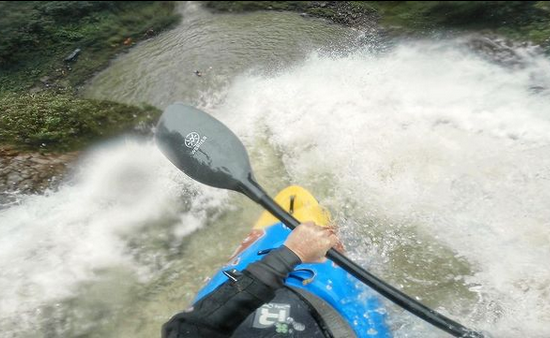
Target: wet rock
(497, 49)
(13, 178)
(45, 79)
(150, 33)
(26, 172)
(40, 160)
(346, 14)
(537, 89)
(72, 57)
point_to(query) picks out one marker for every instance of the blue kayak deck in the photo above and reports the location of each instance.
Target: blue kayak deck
(354, 301)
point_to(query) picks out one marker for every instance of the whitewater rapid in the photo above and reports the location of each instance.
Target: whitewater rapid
(434, 140)
(434, 160)
(53, 244)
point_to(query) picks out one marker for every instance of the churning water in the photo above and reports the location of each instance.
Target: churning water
(434, 161)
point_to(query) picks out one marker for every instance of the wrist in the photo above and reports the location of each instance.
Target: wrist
(275, 266)
(292, 256)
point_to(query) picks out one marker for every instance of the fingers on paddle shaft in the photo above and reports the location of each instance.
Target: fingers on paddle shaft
(207, 151)
(311, 242)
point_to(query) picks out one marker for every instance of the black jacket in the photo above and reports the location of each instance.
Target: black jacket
(224, 309)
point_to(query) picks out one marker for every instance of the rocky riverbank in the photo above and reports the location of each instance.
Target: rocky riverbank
(31, 172)
(520, 21)
(49, 49)
(355, 14)
(42, 133)
(61, 54)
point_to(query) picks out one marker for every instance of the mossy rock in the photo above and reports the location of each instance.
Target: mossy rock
(60, 122)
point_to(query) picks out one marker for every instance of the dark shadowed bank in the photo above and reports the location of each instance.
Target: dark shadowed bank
(47, 50)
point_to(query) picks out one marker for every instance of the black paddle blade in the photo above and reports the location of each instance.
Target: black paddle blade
(203, 148)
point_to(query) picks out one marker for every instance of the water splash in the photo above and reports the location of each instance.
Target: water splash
(51, 244)
(434, 160)
(427, 143)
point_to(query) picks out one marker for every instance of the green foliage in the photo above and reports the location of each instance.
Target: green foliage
(453, 13)
(309, 7)
(38, 35)
(543, 5)
(519, 20)
(53, 122)
(524, 20)
(243, 6)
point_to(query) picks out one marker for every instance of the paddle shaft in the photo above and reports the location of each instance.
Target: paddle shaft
(219, 159)
(412, 305)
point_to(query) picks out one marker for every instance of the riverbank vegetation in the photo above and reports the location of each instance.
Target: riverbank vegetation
(48, 49)
(55, 46)
(51, 121)
(518, 20)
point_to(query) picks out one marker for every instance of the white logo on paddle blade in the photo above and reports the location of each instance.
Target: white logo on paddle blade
(192, 139)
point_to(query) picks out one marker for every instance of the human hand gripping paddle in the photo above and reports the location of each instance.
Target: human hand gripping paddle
(207, 151)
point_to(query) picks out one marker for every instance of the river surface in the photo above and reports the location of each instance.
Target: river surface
(434, 161)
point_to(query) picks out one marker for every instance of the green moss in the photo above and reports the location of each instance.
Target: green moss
(60, 122)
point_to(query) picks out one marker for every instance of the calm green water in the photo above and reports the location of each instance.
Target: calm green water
(222, 47)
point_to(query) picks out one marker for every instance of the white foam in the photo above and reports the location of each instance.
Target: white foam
(50, 243)
(428, 136)
(431, 136)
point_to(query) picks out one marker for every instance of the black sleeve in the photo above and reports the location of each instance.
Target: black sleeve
(274, 267)
(224, 309)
